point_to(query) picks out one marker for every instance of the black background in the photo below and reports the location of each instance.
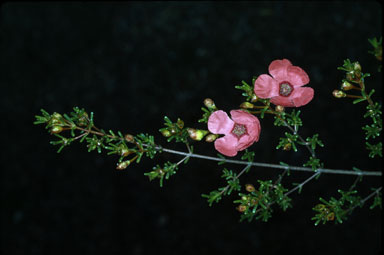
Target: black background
(131, 64)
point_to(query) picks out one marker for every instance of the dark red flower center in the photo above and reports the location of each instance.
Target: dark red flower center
(239, 130)
(285, 89)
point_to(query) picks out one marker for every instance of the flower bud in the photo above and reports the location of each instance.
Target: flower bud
(196, 134)
(254, 98)
(279, 108)
(338, 94)
(129, 138)
(55, 118)
(123, 165)
(180, 123)
(349, 76)
(357, 67)
(287, 147)
(241, 208)
(210, 104)
(246, 105)
(346, 86)
(165, 132)
(83, 120)
(331, 216)
(56, 129)
(160, 171)
(56, 115)
(210, 138)
(124, 151)
(249, 187)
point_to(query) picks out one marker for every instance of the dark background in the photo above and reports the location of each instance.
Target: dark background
(131, 64)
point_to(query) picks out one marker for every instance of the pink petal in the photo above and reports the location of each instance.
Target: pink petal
(278, 69)
(227, 145)
(299, 97)
(302, 96)
(283, 101)
(297, 76)
(220, 123)
(244, 142)
(251, 122)
(243, 117)
(266, 86)
(253, 129)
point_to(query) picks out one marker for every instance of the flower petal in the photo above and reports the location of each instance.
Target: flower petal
(297, 76)
(244, 142)
(266, 86)
(227, 145)
(299, 97)
(283, 101)
(242, 117)
(252, 124)
(220, 123)
(303, 96)
(278, 69)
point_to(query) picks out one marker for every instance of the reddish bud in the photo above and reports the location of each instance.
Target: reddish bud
(249, 187)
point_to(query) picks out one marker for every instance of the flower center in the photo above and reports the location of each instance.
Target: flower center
(239, 130)
(285, 89)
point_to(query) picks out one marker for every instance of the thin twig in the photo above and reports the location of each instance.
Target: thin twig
(267, 165)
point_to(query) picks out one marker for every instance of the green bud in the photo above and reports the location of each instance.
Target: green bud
(180, 123)
(56, 129)
(210, 138)
(357, 67)
(210, 104)
(83, 120)
(55, 118)
(123, 165)
(287, 147)
(346, 86)
(197, 134)
(254, 98)
(123, 150)
(338, 94)
(246, 105)
(165, 132)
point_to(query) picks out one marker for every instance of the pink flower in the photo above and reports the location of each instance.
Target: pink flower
(285, 86)
(240, 132)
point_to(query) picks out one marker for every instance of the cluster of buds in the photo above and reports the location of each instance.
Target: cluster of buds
(172, 130)
(56, 123)
(249, 200)
(83, 120)
(325, 212)
(354, 72)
